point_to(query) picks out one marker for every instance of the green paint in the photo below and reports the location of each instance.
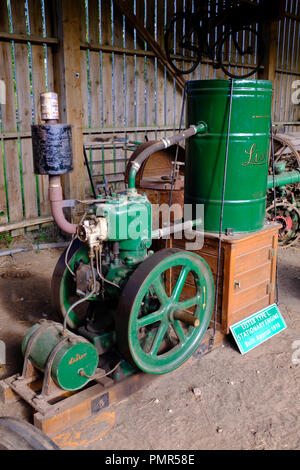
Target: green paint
(73, 356)
(145, 353)
(247, 170)
(257, 328)
(286, 177)
(129, 222)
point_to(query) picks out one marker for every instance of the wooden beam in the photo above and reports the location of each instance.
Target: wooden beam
(117, 50)
(67, 83)
(25, 38)
(25, 223)
(268, 72)
(270, 34)
(146, 36)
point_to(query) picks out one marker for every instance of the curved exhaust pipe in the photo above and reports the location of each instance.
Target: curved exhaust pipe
(56, 198)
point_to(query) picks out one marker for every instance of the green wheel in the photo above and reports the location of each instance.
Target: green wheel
(159, 325)
(63, 287)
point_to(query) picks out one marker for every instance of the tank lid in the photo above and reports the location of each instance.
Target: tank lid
(225, 84)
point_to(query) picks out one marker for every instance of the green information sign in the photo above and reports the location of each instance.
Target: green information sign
(257, 328)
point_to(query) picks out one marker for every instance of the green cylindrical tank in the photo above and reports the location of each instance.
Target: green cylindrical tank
(74, 356)
(247, 169)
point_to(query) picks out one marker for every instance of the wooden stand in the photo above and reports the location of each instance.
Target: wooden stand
(54, 416)
(247, 272)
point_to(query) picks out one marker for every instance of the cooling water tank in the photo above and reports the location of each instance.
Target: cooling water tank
(247, 170)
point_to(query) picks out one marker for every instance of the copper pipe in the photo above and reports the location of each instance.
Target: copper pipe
(56, 197)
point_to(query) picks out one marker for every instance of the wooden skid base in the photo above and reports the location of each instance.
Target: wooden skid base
(73, 408)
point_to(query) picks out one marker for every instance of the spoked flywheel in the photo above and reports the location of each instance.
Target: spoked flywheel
(159, 325)
(288, 216)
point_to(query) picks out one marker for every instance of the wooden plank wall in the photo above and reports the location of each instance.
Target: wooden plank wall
(287, 65)
(126, 91)
(26, 69)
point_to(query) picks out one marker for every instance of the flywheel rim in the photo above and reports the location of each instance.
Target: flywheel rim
(293, 237)
(128, 322)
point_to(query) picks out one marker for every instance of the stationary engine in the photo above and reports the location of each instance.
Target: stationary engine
(124, 307)
(114, 294)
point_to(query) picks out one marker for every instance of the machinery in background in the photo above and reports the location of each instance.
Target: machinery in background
(287, 194)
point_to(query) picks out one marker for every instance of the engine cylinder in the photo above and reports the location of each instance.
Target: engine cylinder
(247, 170)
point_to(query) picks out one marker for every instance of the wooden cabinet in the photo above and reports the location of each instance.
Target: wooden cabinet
(247, 278)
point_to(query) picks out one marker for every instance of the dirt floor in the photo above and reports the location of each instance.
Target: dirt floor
(243, 402)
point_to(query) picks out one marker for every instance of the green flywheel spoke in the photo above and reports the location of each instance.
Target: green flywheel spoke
(150, 319)
(185, 304)
(179, 331)
(180, 283)
(158, 339)
(160, 291)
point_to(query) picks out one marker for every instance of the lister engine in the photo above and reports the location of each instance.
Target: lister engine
(123, 307)
(119, 308)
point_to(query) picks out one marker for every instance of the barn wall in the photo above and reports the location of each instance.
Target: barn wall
(126, 90)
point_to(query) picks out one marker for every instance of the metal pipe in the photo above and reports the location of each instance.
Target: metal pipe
(286, 177)
(186, 226)
(56, 198)
(165, 142)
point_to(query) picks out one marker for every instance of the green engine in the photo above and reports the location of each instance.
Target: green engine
(123, 307)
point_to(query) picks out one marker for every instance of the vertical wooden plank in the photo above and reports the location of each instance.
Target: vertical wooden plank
(107, 73)
(118, 69)
(13, 179)
(130, 75)
(161, 102)
(277, 74)
(140, 71)
(94, 64)
(50, 31)
(170, 80)
(119, 96)
(150, 67)
(282, 62)
(3, 202)
(24, 110)
(178, 91)
(107, 65)
(68, 85)
(84, 69)
(39, 86)
(3, 207)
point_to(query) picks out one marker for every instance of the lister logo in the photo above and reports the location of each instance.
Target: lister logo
(2, 92)
(255, 157)
(77, 358)
(2, 353)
